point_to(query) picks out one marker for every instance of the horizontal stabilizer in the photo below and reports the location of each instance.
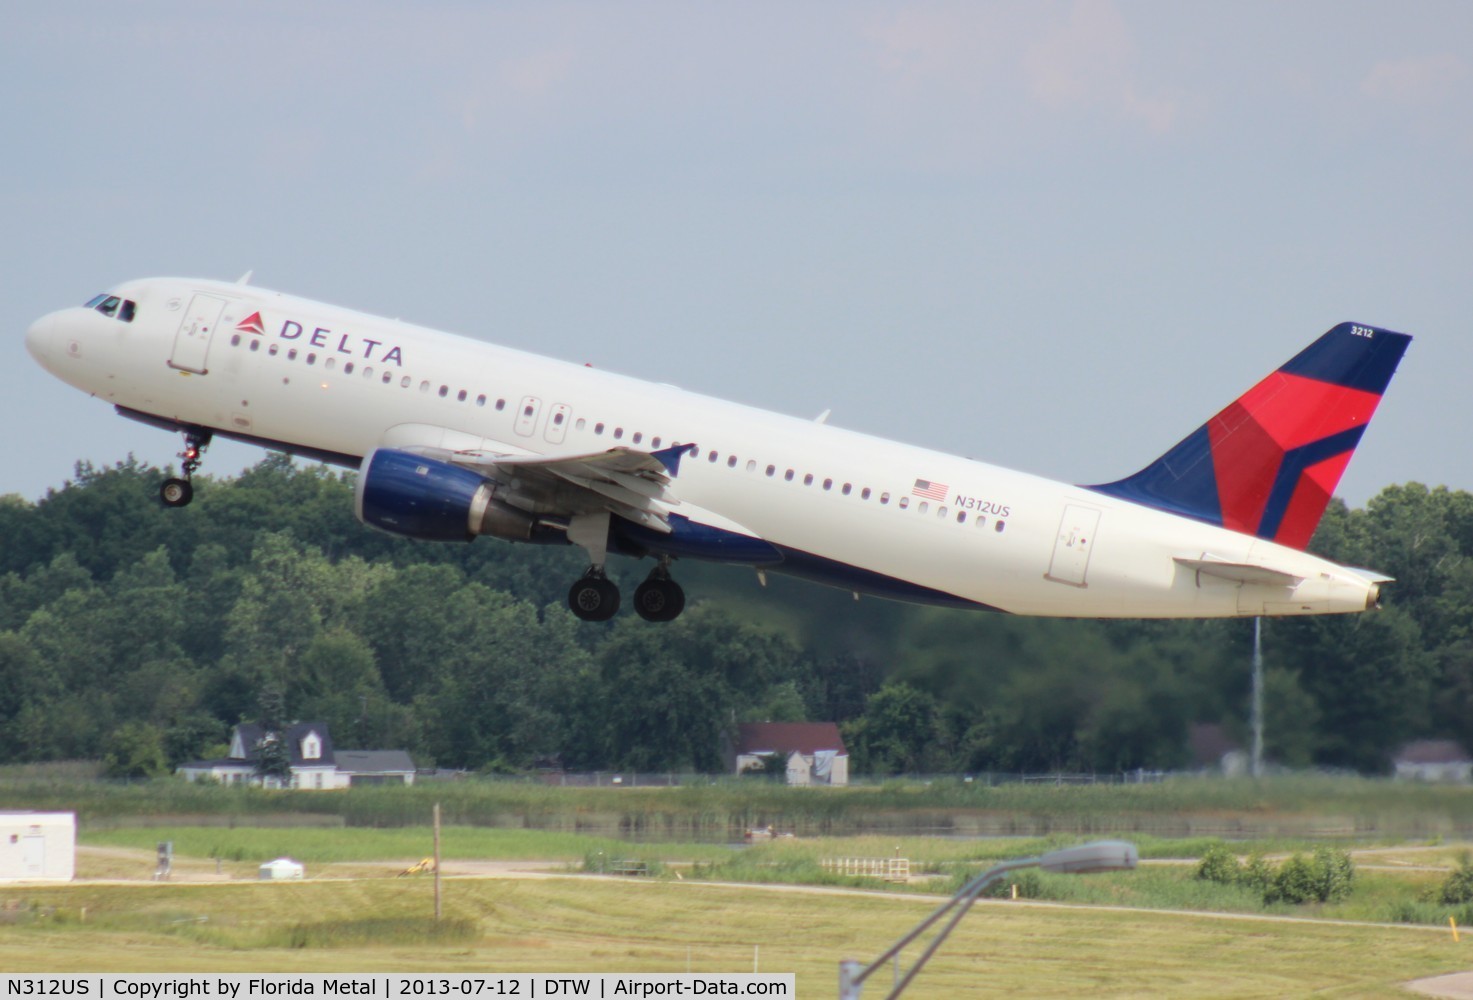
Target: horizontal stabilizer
(1250, 573)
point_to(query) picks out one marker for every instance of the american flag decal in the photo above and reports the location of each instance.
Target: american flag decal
(930, 490)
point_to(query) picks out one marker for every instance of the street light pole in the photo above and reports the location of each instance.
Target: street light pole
(1099, 856)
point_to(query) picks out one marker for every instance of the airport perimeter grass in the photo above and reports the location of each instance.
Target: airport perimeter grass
(1308, 806)
(605, 925)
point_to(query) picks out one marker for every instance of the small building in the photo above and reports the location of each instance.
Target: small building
(314, 762)
(814, 751)
(1433, 760)
(374, 767)
(280, 869)
(38, 845)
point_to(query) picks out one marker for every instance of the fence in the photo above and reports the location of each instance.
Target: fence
(889, 869)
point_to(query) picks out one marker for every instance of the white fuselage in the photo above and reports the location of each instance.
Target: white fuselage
(846, 507)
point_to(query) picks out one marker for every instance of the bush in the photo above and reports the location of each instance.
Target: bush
(1326, 877)
(1220, 865)
(1458, 886)
(1257, 874)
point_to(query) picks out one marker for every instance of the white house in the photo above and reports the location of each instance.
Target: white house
(1434, 760)
(814, 751)
(37, 845)
(314, 762)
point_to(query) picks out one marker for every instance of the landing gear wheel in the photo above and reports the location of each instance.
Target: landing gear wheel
(659, 600)
(176, 492)
(594, 599)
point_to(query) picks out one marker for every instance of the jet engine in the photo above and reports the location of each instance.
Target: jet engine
(423, 498)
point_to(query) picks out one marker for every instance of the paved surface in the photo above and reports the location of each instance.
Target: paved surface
(1458, 986)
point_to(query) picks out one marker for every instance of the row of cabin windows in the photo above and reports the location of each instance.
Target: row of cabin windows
(637, 437)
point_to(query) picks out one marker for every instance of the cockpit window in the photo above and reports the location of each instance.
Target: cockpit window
(113, 306)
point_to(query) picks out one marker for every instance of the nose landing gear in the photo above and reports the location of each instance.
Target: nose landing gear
(177, 492)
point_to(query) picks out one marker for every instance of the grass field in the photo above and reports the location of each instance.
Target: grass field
(606, 925)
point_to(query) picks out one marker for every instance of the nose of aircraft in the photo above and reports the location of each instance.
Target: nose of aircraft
(39, 338)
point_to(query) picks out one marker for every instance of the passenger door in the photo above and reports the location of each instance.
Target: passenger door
(192, 342)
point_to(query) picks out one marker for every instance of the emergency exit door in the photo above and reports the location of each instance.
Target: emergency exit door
(1075, 541)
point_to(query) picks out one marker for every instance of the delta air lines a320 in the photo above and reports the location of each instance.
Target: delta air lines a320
(454, 438)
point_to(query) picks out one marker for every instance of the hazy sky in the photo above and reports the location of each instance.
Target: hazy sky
(1055, 236)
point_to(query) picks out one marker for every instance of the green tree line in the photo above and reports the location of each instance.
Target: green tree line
(138, 635)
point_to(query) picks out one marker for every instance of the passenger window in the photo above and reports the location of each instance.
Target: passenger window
(808, 479)
(921, 509)
(388, 377)
(618, 433)
(598, 428)
(291, 355)
(999, 526)
(460, 396)
(235, 340)
(846, 489)
(638, 437)
(444, 391)
(655, 444)
(330, 363)
(347, 368)
(788, 475)
(500, 405)
(311, 358)
(255, 345)
(404, 382)
(828, 484)
(712, 457)
(981, 520)
(961, 517)
(864, 493)
(751, 465)
(577, 426)
(481, 399)
(731, 462)
(273, 349)
(771, 469)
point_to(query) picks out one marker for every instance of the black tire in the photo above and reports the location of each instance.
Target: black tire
(176, 492)
(594, 599)
(659, 600)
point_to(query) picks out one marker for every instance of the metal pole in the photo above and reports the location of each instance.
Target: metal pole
(437, 862)
(1256, 765)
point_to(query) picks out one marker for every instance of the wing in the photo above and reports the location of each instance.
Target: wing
(630, 483)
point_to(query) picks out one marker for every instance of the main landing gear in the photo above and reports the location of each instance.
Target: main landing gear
(594, 598)
(178, 492)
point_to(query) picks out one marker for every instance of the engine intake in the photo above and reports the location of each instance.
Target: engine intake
(423, 498)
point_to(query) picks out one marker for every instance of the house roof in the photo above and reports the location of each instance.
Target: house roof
(788, 737)
(374, 761)
(250, 735)
(1432, 752)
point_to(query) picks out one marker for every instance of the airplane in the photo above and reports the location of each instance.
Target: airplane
(454, 437)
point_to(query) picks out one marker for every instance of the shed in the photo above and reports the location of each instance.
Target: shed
(38, 845)
(281, 868)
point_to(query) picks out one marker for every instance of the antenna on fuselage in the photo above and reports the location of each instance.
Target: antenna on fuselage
(823, 417)
(245, 279)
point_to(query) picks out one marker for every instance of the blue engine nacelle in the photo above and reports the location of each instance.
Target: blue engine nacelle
(424, 498)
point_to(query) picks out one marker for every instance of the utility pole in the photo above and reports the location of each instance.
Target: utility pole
(1256, 764)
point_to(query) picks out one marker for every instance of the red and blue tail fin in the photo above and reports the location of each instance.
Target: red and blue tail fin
(1268, 464)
